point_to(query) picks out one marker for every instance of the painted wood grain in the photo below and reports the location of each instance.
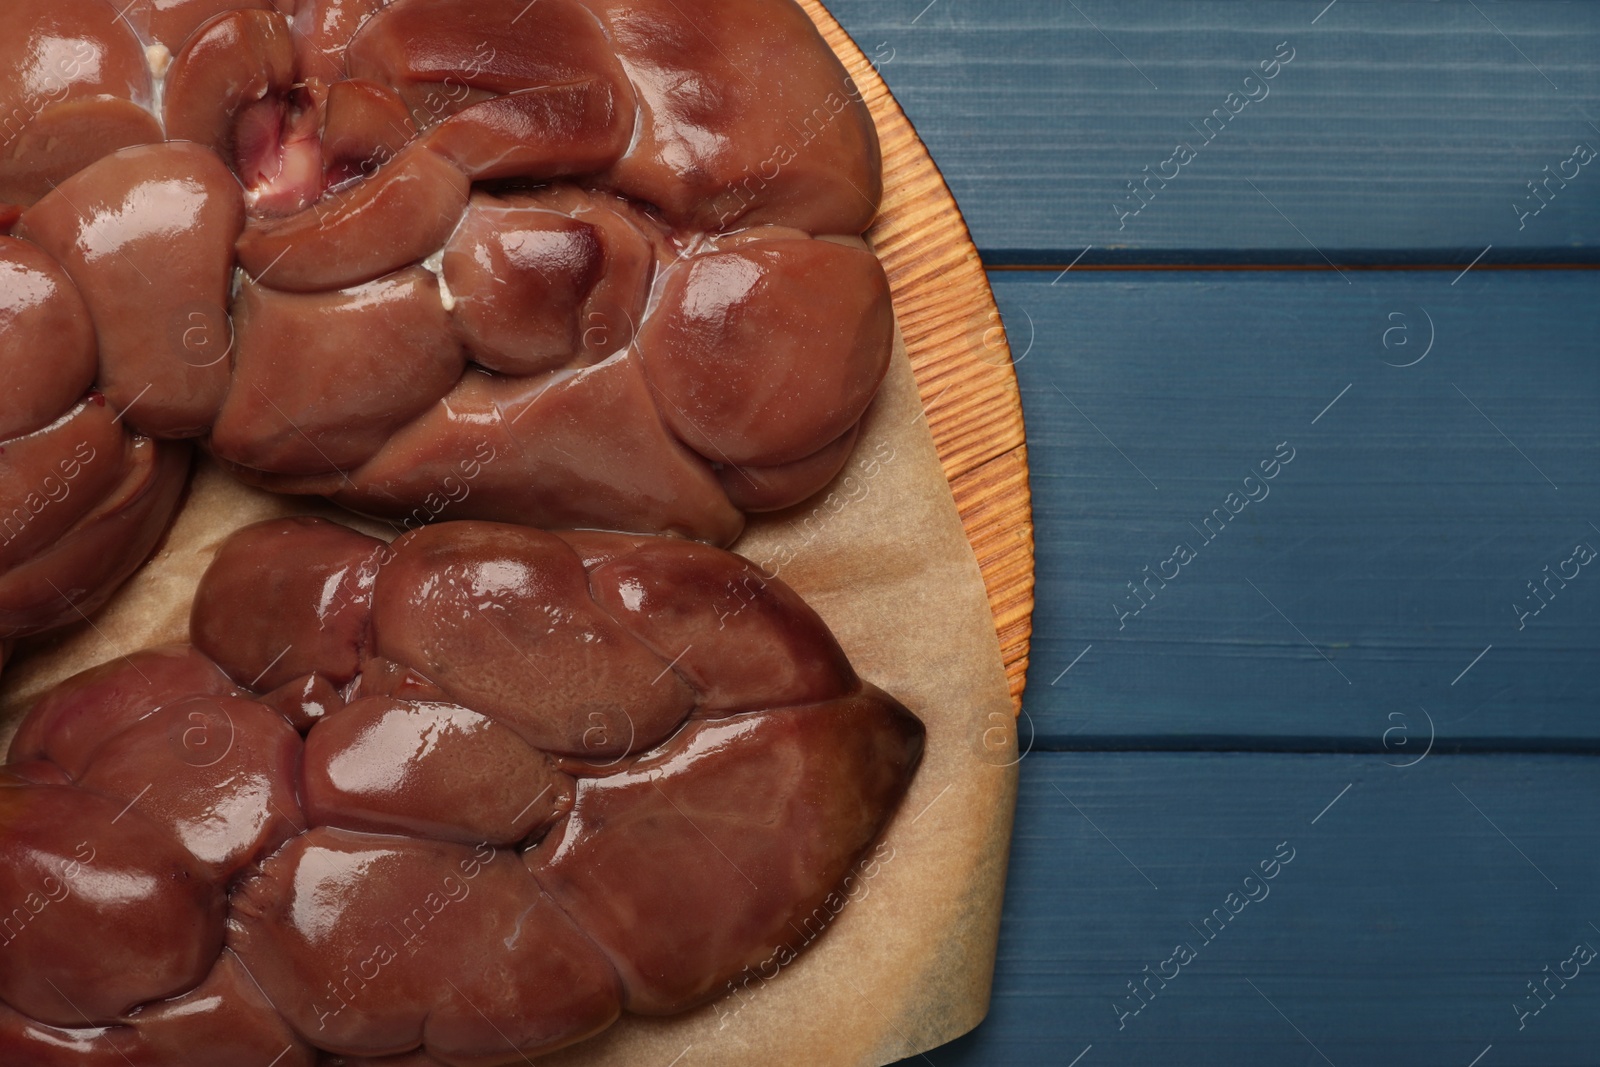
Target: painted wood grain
(1264, 530)
(1417, 906)
(1397, 132)
(1374, 599)
(958, 349)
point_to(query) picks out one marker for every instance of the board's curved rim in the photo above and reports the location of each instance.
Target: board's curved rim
(959, 353)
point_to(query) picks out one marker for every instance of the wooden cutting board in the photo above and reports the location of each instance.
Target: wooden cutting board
(959, 353)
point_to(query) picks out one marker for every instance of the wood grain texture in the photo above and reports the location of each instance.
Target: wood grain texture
(1396, 546)
(959, 352)
(1404, 930)
(1399, 131)
(1423, 900)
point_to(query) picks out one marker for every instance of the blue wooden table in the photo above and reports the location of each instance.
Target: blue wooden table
(1302, 302)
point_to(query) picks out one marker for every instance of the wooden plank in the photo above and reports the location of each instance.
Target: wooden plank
(1406, 927)
(1365, 588)
(1396, 132)
(959, 353)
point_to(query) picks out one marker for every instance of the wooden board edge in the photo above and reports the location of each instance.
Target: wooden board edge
(988, 498)
(959, 353)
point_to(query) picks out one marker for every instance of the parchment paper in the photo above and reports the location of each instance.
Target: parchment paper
(907, 963)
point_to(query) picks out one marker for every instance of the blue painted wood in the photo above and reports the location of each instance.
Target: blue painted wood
(1427, 512)
(1446, 454)
(1404, 930)
(1398, 132)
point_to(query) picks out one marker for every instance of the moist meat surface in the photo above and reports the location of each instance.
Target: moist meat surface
(570, 264)
(464, 799)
